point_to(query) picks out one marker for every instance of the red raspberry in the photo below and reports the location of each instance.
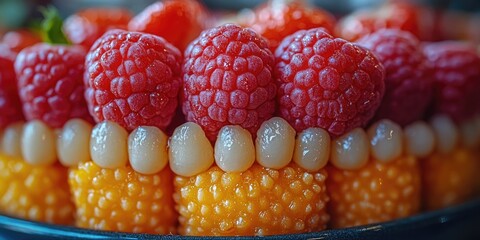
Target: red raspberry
(20, 39)
(50, 83)
(408, 81)
(88, 25)
(179, 22)
(133, 79)
(10, 107)
(327, 82)
(456, 67)
(275, 21)
(228, 80)
(398, 15)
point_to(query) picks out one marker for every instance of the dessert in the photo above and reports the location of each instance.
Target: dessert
(456, 74)
(281, 142)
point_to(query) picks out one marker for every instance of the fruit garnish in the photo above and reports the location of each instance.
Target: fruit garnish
(456, 74)
(50, 83)
(408, 81)
(123, 200)
(50, 76)
(132, 79)
(87, 25)
(178, 21)
(277, 19)
(393, 14)
(10, 107)
(16, 40)
(259, 201)
(228, 80)
(327, 82)
(377, 192)
(37, 193)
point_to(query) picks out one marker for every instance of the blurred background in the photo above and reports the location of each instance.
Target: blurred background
(17, 13)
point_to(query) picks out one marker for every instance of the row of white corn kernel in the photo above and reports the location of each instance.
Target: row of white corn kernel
(189, 152)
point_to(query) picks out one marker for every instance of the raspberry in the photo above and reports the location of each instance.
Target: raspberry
(228, 80)
(408, 81)
(394, 14)
(86, 26)
(132, 79)
(19, 39)
(456, 74)
(375, 193)
(275, 21)
(50, 83)
(10, 106)
(449, 179)
(123, 200)
(259, 201)
(327, 82)
(37, 193)
(179, 22)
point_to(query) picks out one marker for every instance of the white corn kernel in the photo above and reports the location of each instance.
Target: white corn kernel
(190, 152)
(419, 139)
(275, 143)
(312, 149)
(147, 150)
(38, 143)
(386, 140)
(477, 128)
(351, 150)
(73, 145)
(469, 133)
(11, 139)
(446, 133)
(108, 145)
(234, 149)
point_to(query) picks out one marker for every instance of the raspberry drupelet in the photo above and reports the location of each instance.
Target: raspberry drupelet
(227, 74)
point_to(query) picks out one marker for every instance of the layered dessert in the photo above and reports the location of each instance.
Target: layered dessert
(286, 120)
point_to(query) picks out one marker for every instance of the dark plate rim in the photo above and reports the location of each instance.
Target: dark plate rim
(405, 225)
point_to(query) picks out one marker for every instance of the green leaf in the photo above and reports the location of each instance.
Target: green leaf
(51, 26)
